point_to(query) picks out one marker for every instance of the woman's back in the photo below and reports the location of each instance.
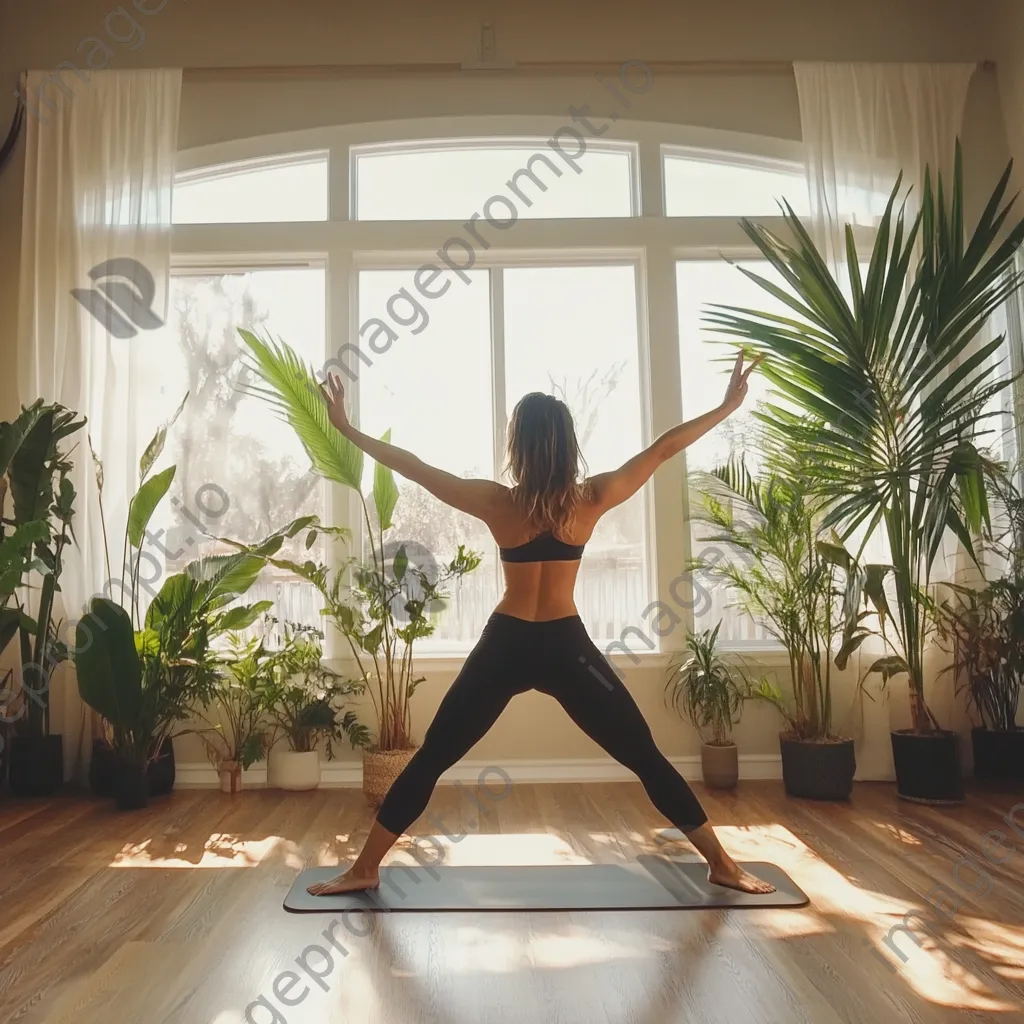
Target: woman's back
(540, 566)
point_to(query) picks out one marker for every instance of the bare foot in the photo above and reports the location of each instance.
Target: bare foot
(732, 876)
(346, 882)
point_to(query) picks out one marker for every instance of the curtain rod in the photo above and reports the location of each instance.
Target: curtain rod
(759, 67)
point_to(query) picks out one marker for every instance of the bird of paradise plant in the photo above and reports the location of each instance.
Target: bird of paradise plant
(364, 610)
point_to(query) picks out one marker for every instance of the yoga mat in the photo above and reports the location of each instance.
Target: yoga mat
(652, 883)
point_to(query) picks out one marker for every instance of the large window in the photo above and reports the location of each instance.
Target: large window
(494, 264)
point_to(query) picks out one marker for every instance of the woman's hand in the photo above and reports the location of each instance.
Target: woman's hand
(737, 389)
(334, 395)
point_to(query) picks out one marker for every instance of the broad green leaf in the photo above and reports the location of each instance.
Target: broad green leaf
(385, 490)
(107, 664)
(143, 505)
(243, 616)
(401, 563)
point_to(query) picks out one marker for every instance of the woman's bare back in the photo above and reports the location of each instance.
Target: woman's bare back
(539, 591)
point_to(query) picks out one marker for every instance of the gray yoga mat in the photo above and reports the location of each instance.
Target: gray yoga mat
(652, 883)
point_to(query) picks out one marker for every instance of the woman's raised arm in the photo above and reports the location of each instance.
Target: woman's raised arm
(478, 498)
(613, 488)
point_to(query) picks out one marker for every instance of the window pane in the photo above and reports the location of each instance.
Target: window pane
(449, 183)
(291, 188)
(241, 473)
(704, 364)
(432, 389)
(698, 186)
(572, 332)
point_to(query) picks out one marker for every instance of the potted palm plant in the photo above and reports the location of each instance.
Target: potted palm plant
(306, 709)
(786, 578)
(36, 467)
(893, 386)
(709, 693)
(380, 605)
(985, 625)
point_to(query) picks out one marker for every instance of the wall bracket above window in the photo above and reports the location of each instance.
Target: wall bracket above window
(488, 59)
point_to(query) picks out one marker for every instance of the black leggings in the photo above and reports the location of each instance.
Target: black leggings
(558, 658)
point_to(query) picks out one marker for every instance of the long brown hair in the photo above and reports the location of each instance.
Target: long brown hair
(544, 461)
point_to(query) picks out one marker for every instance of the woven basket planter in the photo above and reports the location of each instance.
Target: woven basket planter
(380, 769)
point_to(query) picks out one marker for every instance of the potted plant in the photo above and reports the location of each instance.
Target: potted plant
(104, 764)
(146, 682)
(15, 561)
(236, 738)
(786, 578)
(893, 387)
(708, 692)
(390, 602)
(36, 467)
(985, 625)
(306, 710)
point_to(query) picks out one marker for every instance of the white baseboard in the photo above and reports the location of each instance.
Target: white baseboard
(340, 774)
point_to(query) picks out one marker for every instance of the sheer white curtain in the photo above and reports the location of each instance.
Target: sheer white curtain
(98, 175)
(862, 125)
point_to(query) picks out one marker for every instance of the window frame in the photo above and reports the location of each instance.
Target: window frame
(652, 239)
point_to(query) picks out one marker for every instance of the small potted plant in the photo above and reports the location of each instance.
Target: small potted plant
(786, 577)
(236, 733)
(306, 710)
(708, 692)
(985, 626)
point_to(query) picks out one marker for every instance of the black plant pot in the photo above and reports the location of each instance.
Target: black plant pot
(131, 788)
(817, 770)
(998, 755)
(927, 767)
(106, 765)
(36, 765)
(162, 770)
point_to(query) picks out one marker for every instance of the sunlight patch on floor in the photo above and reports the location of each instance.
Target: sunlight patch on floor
(219, 851)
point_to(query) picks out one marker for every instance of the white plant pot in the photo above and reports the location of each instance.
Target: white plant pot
(230, 777)
(289, 770)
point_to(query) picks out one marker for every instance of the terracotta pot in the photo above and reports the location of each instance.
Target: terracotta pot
(230, 777)
(288, 769)
(719, 765)
(380, 769)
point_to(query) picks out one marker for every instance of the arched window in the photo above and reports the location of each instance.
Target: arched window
(447, 266)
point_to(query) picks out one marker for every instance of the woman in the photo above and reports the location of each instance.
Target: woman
(535, 638)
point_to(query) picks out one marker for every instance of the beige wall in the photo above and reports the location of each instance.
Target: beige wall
(242, 33)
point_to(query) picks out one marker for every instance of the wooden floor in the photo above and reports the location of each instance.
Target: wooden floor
(173, 914)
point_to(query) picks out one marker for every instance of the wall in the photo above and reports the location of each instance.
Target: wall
(306, 33)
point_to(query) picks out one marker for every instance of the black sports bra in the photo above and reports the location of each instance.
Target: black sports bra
(545, 547)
